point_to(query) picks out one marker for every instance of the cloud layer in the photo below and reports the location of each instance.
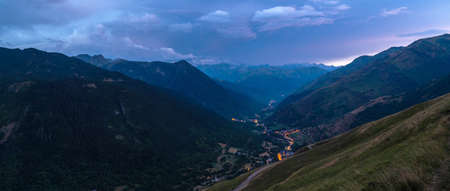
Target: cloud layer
(392, 12)
(218, 16)
(239, 31)
(280, 17)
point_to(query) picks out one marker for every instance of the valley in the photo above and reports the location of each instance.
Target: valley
(264, 83)
(53, 99)
(50, 101)
(373, 156)
(304, 139)
(248, 95)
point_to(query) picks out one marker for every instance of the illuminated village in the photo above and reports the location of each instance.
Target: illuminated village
(279, 146)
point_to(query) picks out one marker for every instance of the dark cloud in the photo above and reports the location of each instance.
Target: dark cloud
(26, 13)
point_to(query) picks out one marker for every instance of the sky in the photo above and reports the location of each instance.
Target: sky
(274, 32)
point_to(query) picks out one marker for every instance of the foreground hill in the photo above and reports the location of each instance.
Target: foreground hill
(367, 80)
(68, 125)
(265, 83)
(405, 151)
(185, 79)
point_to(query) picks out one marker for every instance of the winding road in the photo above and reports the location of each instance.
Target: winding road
(252, 176)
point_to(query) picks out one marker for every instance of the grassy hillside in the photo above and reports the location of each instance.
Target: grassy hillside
(229, 184)
(409, 150)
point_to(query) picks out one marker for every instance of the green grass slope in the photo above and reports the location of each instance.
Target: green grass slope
(405, 151)
(229, 184)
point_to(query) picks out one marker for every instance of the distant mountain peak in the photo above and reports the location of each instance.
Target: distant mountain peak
(183, 62)
(263, 82)
(99, 56)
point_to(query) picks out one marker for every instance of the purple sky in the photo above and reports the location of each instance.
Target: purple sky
(214, 31)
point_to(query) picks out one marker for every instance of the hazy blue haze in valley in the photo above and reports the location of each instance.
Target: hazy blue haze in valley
(236, 31)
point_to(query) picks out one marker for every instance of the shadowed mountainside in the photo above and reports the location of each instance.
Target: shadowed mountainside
(185, 79)
(68, 125)
(369, 80)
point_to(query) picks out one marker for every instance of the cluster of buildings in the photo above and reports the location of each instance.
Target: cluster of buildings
(284, 155)
(255, 121)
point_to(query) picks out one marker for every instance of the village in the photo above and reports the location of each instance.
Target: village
(284, 134)
(232, 162)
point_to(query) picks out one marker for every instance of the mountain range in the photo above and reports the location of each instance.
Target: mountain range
(265, 83)
(341, 99)
(93, 123)
(184, 79)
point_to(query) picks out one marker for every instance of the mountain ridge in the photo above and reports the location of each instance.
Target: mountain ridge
(185, 79)
(389, 73)
(264, 83)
